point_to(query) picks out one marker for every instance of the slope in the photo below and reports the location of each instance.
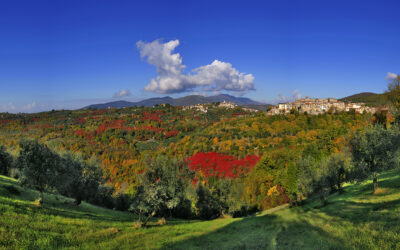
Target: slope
(355, 219)
(370, 99)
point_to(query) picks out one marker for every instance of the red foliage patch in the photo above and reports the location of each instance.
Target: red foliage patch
(152, 116)
(80, 132)
(223, 166)
(117, 124)
(80, 121)
(88, 135)
(47, 126)
(172, 133)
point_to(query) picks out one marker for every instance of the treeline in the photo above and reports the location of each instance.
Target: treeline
(291, 176)
(167, 187)
(370, 151)
(41, 169)
(117, 137)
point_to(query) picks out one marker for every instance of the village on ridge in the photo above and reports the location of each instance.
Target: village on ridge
(312, 106)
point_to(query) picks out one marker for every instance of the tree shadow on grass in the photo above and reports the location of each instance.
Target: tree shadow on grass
(374, 218)
(361, 213)
(361, 225)
(7, 181)
(263, 232)
(62, 207)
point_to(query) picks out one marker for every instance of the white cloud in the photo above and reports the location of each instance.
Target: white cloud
(19, 107)
(122, 93)
(390, 76)
(9, 107)
(283, 99)
(223, 75)
(29, 106)
(216, 76)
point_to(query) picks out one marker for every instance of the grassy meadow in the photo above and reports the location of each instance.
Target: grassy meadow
(354, 219)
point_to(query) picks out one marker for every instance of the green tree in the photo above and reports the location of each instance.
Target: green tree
(306, 168)
(374, 150)
(393, 94)
(38, 165)
(275, 169)
(320, 177)
(208, 206)
(162, 188)
(336, 170)
(79, 179)
(6, 161)
(313, 178)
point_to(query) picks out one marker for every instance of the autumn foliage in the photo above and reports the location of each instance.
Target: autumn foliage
(222, 146)
(220, 165)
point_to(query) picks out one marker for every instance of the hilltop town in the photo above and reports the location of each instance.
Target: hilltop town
(315, 106)
(203, 107)
(312, 106)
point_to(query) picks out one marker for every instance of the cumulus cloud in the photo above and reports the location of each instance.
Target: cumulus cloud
(390, 76)
(283, 99)
(122, 93)
(216, 76)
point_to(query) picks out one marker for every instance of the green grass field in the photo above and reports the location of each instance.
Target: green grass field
(356, 219)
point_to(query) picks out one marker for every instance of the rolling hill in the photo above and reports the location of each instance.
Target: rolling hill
(369, 98)
(356, 219)
(183, 101)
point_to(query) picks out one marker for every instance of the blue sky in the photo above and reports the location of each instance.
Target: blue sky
(67, 54)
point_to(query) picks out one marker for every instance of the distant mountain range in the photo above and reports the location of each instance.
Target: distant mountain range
(369, 98)
(183, 101)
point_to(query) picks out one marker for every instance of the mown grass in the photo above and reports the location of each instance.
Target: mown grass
(355, 219)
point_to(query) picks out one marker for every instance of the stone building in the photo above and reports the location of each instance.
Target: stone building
(317, 106)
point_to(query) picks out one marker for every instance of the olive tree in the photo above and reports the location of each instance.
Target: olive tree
(79, 179)
(38, 165)
(162, 188)
(336, 169)
(374, 150)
